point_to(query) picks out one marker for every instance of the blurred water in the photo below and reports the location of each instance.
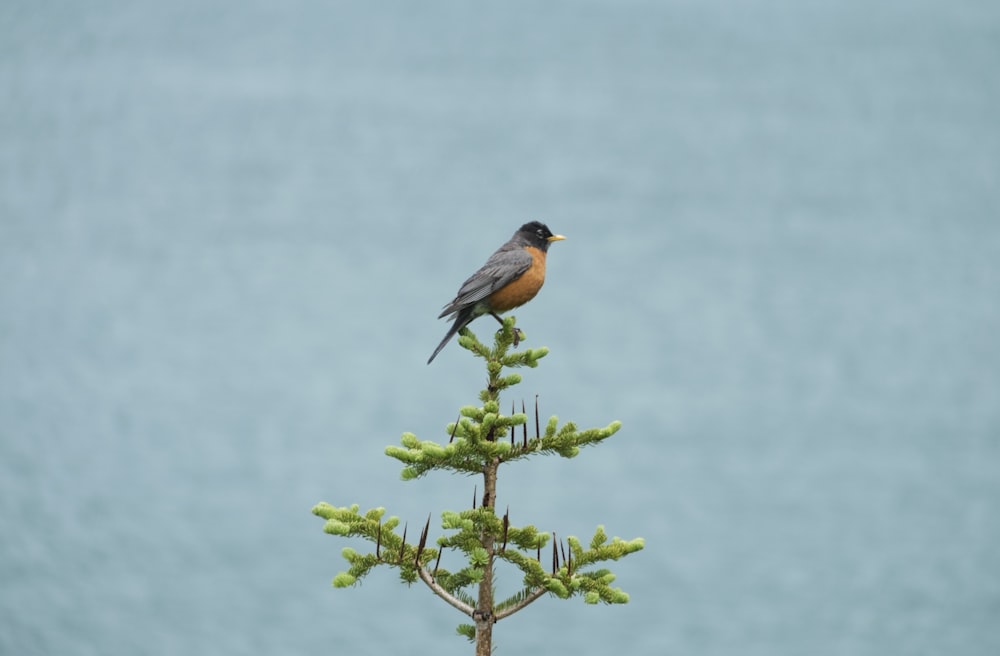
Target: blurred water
(225, 232)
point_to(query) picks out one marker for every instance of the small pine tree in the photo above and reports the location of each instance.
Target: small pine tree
(478, 443)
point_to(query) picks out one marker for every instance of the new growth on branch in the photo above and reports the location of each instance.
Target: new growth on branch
(479, 441)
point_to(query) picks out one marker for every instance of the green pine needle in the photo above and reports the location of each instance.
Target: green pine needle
(484, 437)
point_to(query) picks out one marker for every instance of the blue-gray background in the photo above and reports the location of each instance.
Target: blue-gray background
(226, 230)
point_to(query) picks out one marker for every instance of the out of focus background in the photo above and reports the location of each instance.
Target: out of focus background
(226, 230)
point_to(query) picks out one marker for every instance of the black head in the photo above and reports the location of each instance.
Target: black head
(537, 234)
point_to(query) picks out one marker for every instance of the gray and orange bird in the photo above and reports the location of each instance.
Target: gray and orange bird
(510, 278)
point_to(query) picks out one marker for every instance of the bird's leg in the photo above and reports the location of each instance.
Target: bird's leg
(517, 331)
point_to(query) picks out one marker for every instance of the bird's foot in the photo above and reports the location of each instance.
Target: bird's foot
(518, 336)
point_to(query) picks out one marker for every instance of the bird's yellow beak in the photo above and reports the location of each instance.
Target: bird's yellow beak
(556, 238)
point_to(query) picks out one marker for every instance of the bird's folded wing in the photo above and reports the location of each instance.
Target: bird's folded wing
(502, 268)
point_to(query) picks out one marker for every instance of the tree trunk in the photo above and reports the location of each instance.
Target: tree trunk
(483, 614)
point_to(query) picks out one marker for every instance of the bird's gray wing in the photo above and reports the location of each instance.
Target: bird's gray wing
(503, 267)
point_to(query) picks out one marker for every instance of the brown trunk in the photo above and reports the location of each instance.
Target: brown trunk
(483, 615)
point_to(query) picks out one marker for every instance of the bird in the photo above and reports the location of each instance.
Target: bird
(510, 278)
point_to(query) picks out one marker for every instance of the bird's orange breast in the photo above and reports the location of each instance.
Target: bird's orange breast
(523, 289)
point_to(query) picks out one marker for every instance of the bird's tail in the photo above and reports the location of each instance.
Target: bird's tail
(461, 321)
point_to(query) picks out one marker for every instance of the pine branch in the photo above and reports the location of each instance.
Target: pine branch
(475, 438)
(479, 442)
(518, 602)
(458, 603)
